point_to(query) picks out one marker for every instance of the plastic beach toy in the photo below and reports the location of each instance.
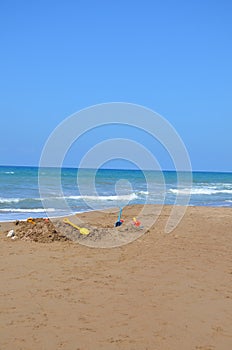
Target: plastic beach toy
(120, 221)
(137, 223)
(83, 230)
(31, 221)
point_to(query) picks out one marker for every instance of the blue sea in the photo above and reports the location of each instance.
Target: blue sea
(88, 189)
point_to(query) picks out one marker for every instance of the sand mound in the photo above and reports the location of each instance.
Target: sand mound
(101, 226)
(48, 231)
(40, 231)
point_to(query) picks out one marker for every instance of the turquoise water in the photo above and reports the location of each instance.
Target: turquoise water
(88, 189)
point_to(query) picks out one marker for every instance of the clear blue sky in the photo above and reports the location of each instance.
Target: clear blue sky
(174, 57)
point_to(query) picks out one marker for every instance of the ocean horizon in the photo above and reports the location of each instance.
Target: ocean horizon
(90, 189)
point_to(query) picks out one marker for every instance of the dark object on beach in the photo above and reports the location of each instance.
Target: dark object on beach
(119, 222)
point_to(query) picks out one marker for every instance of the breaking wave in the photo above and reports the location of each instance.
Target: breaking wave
(128, 197)
(17, 210)
(200, 191)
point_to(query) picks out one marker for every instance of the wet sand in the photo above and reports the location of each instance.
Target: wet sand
(161, 291)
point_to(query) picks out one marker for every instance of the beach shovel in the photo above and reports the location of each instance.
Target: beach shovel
(119, 222)
(82, 230)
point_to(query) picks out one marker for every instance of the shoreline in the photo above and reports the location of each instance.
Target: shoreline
(101, 224)
(116, 209)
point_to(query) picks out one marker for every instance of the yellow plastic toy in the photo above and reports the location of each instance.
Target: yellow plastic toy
(83, 230)
(31, 221)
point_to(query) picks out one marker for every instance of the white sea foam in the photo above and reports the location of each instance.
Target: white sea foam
(17, 200)
(9, 172)
(182, 191)
(226, 191)
(128, 197)
(199, 191)
(143, 193)
(36, 210)
(9, 200)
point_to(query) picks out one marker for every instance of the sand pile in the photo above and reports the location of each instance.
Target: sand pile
(48, 231)
(39, 230)
(101, 226)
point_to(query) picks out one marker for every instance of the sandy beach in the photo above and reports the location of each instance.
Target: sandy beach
(159, 292)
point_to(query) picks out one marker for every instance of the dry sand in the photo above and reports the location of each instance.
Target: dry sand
(162, 291)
